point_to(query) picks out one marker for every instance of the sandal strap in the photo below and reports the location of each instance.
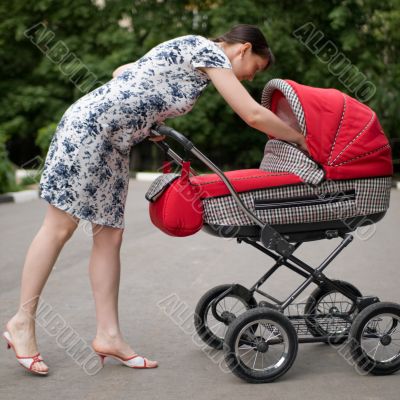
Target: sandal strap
(131, 358)
(33, 357)
(29, 362)
(122, 358)
(36, 359)
(143, 358)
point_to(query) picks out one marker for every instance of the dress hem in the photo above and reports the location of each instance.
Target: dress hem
(78, 215)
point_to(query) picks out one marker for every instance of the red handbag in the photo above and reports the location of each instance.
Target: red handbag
(175, 205)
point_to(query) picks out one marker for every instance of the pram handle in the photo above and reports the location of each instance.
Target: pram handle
(173, 134)
(269, 236)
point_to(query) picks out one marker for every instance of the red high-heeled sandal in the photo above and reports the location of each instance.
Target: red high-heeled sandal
(135, 361)
(26, 362)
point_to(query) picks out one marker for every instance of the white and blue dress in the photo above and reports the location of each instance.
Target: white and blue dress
(86, 171)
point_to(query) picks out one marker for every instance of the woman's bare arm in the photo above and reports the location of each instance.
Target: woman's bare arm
(120, 69)
(253, 113)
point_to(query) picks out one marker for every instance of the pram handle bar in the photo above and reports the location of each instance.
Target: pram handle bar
(175, 157)
(173, 134)
(270, 238)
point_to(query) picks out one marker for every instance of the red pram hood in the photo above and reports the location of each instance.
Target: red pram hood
(343, 135)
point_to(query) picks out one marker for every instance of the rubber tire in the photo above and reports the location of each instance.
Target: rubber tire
(314, 298)
(234, 329)
(359, 357)
(199, 316)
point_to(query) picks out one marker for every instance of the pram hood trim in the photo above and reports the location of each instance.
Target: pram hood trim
(280, 156)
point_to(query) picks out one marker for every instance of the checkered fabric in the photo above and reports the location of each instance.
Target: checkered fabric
(281, 156)
(372, 196)
(159, 185)
(291, 97)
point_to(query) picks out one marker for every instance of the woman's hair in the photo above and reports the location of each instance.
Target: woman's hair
(244, 33)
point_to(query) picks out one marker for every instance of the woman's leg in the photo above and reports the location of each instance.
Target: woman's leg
(57, 228)
(104, 270)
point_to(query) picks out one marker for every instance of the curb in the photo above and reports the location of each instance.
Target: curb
(396, 185)
(19, 197)
(147, 176)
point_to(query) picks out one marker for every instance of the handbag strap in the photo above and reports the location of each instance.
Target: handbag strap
(166, 167)
(185, 171)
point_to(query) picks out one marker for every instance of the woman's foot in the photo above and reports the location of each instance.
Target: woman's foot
(116, 345)
(22, 332)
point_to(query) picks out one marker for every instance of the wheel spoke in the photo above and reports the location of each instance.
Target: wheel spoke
(247, 341)
(320, 311)
(234, 305)
(263, 333)
(218, 323)
(378, 327)
(240, 311)
(376, 349)
(273, 337)
(393, 331)
(255, 359)
(384, 353)
(387, 326)
(246, 352)
(262, 361)
(269, 336)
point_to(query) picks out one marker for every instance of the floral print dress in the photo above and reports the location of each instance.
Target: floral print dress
(86, 171)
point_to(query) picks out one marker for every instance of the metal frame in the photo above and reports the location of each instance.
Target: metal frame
(312, 275)
(301, 268)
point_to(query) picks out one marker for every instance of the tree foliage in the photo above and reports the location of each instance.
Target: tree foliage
(43, 42)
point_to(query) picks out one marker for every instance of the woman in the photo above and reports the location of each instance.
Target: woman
(86, 171)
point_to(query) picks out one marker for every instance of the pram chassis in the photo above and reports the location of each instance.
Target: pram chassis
(280, 247)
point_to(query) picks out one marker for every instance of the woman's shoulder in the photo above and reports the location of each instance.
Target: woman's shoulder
(193, 50)
(190, 41)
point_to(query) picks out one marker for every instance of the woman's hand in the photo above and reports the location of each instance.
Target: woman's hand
(157, 138)
(302, 144)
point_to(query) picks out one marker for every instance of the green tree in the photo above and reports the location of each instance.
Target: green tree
(43, 41)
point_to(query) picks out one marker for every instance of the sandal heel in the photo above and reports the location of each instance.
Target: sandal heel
(102, 359)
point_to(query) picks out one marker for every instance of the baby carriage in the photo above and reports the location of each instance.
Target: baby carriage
(292, 198)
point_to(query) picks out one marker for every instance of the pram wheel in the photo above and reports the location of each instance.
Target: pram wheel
(260, 345)
(375, 338)
(329, 313)
(212, 330)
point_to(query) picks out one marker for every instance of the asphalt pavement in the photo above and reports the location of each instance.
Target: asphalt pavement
(161, 281)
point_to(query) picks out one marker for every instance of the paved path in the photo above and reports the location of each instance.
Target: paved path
(156, 266)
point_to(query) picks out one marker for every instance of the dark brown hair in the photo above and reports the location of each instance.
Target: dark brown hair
(244, 33)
